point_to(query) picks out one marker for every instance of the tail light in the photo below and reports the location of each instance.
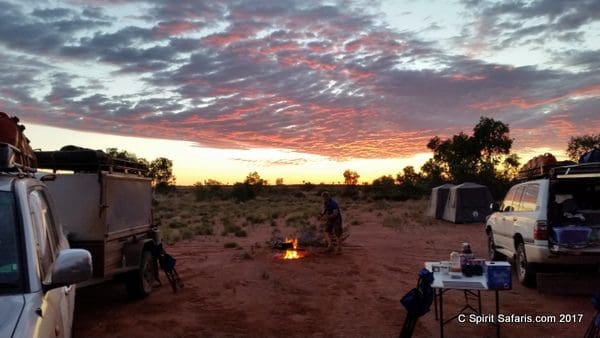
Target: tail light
(540, 231)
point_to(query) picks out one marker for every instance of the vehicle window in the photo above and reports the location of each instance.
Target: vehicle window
(517, 198)
(507, 203)
(529, 198)
(10, 254)
(43, 230)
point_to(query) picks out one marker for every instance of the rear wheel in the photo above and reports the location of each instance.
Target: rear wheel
(493, 255)
(525, 270)
(139, 282)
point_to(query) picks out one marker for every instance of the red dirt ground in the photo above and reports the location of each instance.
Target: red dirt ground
(250, 292)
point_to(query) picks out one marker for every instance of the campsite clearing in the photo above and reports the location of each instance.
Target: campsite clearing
(248, 290)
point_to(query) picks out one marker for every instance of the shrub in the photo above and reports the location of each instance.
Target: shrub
(204, 229)
(187, 233)
(242, 192)
(231, 228)
(176, 225)
(392, 222)
(240, 233)
(297, 219)
(355, 222)
(230, 245)
(256, 218)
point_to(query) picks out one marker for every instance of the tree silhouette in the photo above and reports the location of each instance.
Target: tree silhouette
(579, 145)
(472, 158)
(350, 177)
(161, 172)
(254, 178)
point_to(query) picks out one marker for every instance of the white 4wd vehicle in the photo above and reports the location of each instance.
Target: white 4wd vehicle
(550, 221)
(38, 270)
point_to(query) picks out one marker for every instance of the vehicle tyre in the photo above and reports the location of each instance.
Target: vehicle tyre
(139, 282)
(525, 270)
(493, 255)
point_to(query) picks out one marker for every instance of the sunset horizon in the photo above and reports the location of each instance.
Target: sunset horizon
(189, 166)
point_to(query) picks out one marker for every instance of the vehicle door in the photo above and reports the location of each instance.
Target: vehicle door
(55, 309)
(507, 215)
(525, 219)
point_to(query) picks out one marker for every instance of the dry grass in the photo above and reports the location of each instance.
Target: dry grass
(181, 216)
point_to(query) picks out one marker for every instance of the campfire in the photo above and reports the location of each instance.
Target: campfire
(292, 253)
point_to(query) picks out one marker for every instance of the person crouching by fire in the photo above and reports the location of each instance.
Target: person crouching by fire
(333, 226)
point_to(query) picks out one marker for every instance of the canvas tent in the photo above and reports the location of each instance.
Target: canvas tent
(468, 203)
(437, 200)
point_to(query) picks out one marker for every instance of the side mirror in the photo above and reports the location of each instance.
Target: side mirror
(72, 266)
(494, 206)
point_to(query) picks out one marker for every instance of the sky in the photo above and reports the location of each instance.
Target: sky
(300, 90)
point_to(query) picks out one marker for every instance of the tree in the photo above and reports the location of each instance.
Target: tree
(211, 189)
(161, 172)
(510, 167)
(408, 176)
(252, 186)
(350, 177)
(279, 181)
(384, 187)
(254, 178)
(128, 156)
(579, 145)
(491, 138)
(434, 174)
(410, 183)
(472, 158)
(212, 182)
(121, 154)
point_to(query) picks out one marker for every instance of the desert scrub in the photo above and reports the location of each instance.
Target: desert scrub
(203, 229)
(187, 233)
(379, 205)
(230, 245)
(177, 224)
(297, 219)
(392, 222)
(240, 233)
(171, 236)
(258, 218)
(233, 229)
(355, 222)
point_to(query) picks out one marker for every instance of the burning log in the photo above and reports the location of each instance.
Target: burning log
(294, 252)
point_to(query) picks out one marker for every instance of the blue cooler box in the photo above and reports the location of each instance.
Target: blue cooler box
(572, 234)
(499, 275)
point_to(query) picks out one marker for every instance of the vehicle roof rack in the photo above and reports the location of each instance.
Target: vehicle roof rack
(13, 160)
(582, 170)
(78, 159)
(542, 171)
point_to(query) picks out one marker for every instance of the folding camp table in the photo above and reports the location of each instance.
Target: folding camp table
(470, 286)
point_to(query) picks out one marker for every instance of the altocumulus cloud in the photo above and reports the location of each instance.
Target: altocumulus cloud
(330, 78)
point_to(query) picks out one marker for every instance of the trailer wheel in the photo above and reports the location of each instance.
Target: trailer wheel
(139, 282)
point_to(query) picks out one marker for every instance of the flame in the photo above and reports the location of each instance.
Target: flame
(293, 253)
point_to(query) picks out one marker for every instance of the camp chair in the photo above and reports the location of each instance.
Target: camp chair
(417, 302)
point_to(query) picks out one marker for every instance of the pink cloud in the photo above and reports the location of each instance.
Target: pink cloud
(174, 28)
